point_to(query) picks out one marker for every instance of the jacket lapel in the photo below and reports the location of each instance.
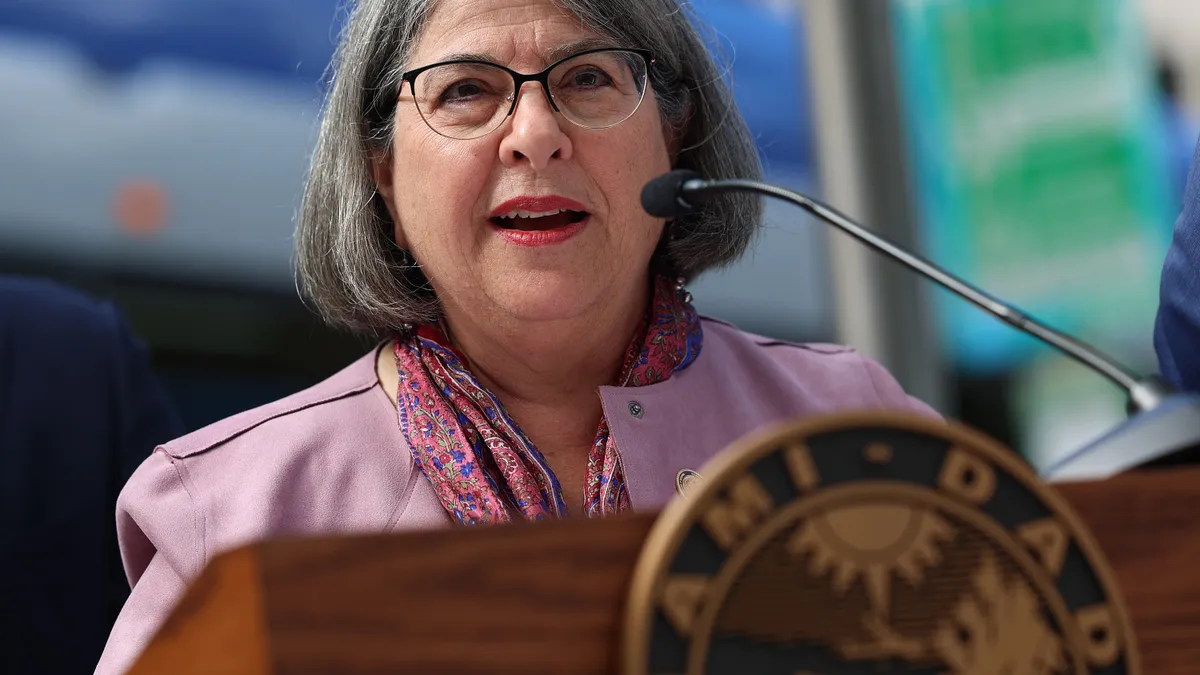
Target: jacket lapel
(676, 425)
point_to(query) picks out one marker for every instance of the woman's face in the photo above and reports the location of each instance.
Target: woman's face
(446, 195)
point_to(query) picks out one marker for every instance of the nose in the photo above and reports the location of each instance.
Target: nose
(534, 134)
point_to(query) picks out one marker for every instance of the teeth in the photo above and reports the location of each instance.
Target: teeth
(531, 214)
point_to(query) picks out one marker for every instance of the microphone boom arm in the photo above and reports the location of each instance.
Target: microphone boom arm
(1068, 345)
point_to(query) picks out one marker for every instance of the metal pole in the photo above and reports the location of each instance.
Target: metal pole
(883, 310)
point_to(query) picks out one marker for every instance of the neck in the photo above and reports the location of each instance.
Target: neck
(549, 364)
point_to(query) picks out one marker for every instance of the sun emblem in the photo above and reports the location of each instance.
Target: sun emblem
(872, 542)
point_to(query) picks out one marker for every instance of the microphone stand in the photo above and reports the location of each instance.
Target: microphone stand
(1164, 428)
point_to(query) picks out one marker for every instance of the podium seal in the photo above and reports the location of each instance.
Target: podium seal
(873, 543)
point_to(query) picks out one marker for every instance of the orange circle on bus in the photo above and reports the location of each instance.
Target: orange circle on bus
(140, 207)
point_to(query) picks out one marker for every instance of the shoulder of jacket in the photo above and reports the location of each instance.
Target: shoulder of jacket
(729, 332)
(829, 371)
(354, 380)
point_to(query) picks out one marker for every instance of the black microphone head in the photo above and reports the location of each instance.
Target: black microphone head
(663, 196)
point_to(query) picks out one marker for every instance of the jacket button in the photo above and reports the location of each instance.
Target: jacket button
(636, 409)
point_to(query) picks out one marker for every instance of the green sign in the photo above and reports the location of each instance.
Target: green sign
(1037, 147)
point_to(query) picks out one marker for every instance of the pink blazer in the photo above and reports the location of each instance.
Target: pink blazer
(332, 459)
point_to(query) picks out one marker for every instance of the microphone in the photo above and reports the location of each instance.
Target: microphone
(1159, 439)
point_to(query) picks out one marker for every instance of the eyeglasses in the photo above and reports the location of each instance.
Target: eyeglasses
(595, 89)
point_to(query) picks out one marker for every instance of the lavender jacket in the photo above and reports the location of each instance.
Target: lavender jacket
(332, 459)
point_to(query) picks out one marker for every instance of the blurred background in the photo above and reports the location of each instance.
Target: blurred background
(153, 152)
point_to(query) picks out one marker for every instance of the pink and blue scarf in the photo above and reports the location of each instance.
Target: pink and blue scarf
(482, 467)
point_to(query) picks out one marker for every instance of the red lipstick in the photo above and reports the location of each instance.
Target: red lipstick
(537, 205)
(538, 221)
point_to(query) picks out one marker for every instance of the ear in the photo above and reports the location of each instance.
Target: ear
(671, 139)
(383, 175)
(673, 135)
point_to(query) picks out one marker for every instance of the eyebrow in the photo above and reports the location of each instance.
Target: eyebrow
(563, 51)
(553, 56)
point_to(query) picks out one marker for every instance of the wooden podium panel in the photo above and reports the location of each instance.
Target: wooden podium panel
(1148, 525)
(548, 598)
(522, 598)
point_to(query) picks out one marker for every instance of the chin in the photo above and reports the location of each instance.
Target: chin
(549, 299)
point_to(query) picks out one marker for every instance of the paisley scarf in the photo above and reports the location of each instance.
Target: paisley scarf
(482, 467)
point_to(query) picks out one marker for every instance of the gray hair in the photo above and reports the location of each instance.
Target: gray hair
(348, 262)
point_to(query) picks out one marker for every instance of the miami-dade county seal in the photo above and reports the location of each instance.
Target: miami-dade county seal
(873, 543)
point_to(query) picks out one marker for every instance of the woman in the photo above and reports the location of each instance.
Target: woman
(475, 194)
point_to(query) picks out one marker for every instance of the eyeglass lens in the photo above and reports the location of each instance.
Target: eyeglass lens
(593, 90)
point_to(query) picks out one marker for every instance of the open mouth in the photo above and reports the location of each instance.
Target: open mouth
(528, 221)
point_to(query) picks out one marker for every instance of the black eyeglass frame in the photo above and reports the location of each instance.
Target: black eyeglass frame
(519, 80)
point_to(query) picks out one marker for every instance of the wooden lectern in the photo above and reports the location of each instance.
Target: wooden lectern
(549, 598)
